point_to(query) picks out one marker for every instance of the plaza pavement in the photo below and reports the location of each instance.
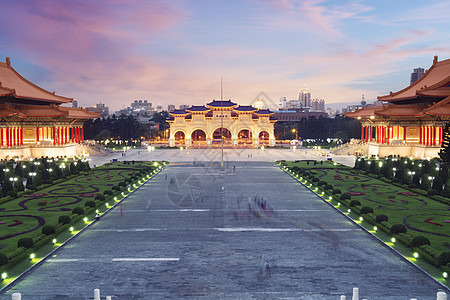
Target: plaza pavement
(194, 231)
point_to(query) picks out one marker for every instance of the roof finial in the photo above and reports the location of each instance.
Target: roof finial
(435, 60)
(8, 62)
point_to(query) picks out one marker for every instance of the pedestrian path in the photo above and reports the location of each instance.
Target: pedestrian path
(200, 232)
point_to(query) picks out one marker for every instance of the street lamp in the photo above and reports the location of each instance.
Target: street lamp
(431, 178)
(411, 174)
(296, 133)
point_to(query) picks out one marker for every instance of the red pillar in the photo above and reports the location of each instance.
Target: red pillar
(37, 134)
(71, 134)
(1, 136)
(388, 129)
(420, 135)
(82, 133)
(404, 134)
(434, 135)
(7, 136)
(362, 133)
(440, 135)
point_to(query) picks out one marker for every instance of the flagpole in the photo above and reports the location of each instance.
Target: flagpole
(221, 118)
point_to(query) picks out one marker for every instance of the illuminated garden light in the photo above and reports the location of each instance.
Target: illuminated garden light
(85, 219)
(375, 228)
(96, 211)
(445, 275)
(32, 256)
(393, 240)
(54, 241)
(71, 229)
(361, 219)
(349, 210)
(115, 198)
(416, 255)
(4, 275)
(106, 204)
(380, 164)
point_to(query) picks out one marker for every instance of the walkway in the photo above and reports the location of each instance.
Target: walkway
(196, 235)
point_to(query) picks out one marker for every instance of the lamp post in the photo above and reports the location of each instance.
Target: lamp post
(431, 178)
(296, 133)
(412, 175)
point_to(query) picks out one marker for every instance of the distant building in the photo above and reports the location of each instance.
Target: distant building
(283, 103)
(99, 108)
(170, 107)
(75, 104)
(416, 74)
(296, 116)
(304, 96)
(183, 106)
(318, 105)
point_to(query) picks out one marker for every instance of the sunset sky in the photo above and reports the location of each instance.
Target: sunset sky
(174, 51)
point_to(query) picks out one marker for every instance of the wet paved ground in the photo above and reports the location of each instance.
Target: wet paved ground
(196, 235)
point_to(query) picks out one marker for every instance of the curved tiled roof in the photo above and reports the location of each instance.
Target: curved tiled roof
(393, 110)
(218, 103)
(264, 112)
(7, 110)
(248, 108)
(441, 108)
(79, 113)
(198, 108)
(364, 112)
(12, 83)
(178, 112)
(434, 83)
(41, 111)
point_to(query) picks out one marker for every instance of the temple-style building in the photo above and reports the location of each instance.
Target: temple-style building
(411, 121)
(206, 125)
(33, 122)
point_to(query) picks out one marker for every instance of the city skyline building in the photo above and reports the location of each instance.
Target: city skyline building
(416, 74)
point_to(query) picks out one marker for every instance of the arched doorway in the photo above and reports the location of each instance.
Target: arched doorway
(264, 137)
(198, 137)
(179, 137)
(217, 136)
(245, 137)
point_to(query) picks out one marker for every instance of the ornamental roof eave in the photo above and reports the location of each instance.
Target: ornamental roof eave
(442, 108)
(79, 113)
(223, 104)
(364, 112)
(393, 110)
(198, 109)
(264, 112)
(245, 109)
(25, 89)
(178, 112)
(435, 77)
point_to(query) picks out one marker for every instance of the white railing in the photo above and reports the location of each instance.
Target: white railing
(355, 296)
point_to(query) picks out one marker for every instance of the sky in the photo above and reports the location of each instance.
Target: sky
(177, 51)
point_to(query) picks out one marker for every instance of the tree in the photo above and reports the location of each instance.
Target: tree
(7, 187)
(444, 153)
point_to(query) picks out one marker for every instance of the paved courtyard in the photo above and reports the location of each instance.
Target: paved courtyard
(196, 232)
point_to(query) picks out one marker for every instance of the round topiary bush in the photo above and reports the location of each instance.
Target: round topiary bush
(328, 187)
(354, 203)
(116, 188)
(122, 184)
(107, 192)
(366, 210)
(346, 197)
(12, 194)
(78, 211)
(420, 241)
(3, 259)
(398, 228)
(337, 191)
(381, 218)
(322, 182)
(315, 179)
(48, 229)
(444, 258)
(64, 219)
(89, 203)
(100, 197)
(25, 242)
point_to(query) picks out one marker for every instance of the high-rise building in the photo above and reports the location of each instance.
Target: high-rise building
(304, 96)
(170, 107)
(282, 102)
(318, 105)
(416, 74)
(99, 108)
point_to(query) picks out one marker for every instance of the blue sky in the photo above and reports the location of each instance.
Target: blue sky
(174, 52)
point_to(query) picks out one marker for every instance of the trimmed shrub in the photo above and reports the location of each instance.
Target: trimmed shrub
(444, 258)
(381, 218)
(78, 211)
(25, 242)
(107, 192)
(354, 203)
(432, 192)
(345, 197)
(328, 187)
(420, 241)
(12, 194)
(89, 203)
(398, 228)
(366, 210)
(322, 182)
(116, 188)
(48, 229)
(3, 259)
(64, 219)
(337, 191)
(122, 184)
(100, 197)
(315, 179)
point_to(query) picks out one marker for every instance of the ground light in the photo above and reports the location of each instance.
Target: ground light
(445, 275)
(71, 229)
(32, 256)
(4, 275)
(54, 241)
(416, 255)
(375, 228)
(393, 240)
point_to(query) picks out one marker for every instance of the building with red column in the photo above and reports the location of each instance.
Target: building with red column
(34, 122)
(411, 121)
